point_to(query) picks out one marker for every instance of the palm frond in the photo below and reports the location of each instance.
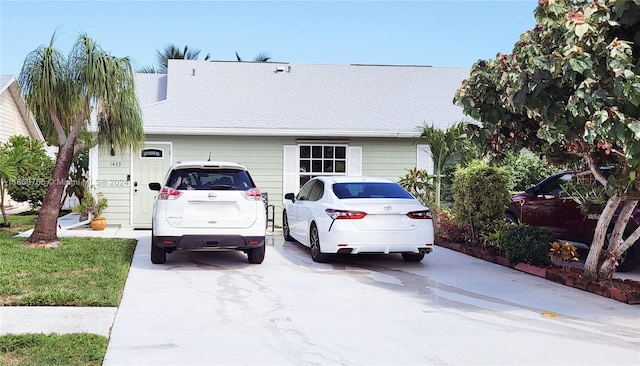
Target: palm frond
(262, 57)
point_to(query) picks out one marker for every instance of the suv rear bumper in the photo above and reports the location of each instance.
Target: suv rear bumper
(210, 242)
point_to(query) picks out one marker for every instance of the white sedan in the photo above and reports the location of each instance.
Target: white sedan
(353, 215)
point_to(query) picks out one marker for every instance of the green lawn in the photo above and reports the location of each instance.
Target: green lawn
(82, 272)
(51, 349)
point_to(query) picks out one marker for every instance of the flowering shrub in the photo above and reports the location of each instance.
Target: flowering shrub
(448, 229)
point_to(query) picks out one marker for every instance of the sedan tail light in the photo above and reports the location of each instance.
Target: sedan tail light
(420, 215)
(168, 193)
(253, 194)
(345, 214)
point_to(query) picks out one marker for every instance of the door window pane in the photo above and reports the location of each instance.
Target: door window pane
(152, 153)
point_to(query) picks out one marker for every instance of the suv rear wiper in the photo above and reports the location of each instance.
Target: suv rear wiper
(221, 186)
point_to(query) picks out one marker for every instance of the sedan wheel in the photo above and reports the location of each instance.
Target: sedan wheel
(316, 252)
(285, 227)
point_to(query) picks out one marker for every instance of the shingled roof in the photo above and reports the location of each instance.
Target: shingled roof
(282, 99)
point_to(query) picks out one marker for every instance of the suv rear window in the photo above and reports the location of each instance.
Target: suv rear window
(210, 179)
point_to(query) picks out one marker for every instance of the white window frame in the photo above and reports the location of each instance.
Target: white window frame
(291, 164)
(311, 174)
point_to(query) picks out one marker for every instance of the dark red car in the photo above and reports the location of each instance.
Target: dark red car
(545, 205)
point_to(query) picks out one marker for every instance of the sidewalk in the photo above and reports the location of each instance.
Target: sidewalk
(109, 232)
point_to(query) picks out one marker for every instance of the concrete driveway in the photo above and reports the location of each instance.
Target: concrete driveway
(450, 309)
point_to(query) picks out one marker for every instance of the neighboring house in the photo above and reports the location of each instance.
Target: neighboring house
(285, 122)
(15, 117)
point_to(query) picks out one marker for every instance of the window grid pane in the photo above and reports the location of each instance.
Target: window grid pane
(318, 160)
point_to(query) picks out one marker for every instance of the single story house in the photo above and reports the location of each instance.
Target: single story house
(15, 117)
(285, 122)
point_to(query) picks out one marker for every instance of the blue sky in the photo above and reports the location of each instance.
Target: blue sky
(437, 33)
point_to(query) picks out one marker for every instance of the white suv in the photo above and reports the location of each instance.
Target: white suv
(207, 205)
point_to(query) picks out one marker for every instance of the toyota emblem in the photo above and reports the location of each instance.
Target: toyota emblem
(387, 208)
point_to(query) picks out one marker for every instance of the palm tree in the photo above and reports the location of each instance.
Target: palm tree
(261, 57)
(171, 52)
(63, 92)
(443, 145)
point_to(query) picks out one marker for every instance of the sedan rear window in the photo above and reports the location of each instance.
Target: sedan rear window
(210, 179)
(370, 190)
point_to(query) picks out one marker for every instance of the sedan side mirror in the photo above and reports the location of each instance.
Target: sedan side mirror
(155, 186)
(530, 191)
(290, 196)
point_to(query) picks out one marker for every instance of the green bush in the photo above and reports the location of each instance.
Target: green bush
(32, 186)
(526, 170)
(527, 244)
(33, 170)
(481, 194)
(446, 191)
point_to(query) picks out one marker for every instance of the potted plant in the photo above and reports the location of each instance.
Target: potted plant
(93, 205)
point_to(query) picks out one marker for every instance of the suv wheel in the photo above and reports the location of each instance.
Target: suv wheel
(256, 255)
(158, 255)
(510, 218)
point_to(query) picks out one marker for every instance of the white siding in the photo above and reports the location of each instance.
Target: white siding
(11, 121)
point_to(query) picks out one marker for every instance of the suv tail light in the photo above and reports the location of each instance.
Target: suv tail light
(252, 194)
(344, 214)
(168, 193)
(420, 215)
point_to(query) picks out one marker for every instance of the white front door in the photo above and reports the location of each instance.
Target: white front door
(150, 164)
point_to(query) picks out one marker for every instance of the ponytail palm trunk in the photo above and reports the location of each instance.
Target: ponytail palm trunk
(45, 231)
(63, 92)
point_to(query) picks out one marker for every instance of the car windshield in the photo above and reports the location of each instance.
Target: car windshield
(210, 179)
(369, 190)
